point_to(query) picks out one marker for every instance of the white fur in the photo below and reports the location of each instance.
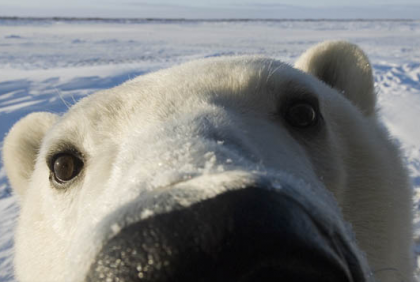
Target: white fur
(211, 124)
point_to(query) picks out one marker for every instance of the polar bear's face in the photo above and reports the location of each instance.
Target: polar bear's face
(226, 169)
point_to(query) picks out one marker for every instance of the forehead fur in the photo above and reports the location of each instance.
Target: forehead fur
(247, 84)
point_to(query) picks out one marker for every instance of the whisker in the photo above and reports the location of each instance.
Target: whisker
(67, 104)
(72, 97)
(393, 270)
(272, 72)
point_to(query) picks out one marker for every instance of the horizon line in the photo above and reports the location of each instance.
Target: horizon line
(181, 19)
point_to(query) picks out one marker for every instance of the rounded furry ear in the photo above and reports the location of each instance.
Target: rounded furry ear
(346, 68)
(21, 147)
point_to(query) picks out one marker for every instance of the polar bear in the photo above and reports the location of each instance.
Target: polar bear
(222, 169)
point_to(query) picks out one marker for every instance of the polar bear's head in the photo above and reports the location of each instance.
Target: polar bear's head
(223, 169)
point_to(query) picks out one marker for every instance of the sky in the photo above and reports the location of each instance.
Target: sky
(392, 9)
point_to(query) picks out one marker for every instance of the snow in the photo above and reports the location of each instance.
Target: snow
(49, 65)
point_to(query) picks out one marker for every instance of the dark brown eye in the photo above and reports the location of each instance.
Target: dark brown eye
(302, 115)
(65, 167)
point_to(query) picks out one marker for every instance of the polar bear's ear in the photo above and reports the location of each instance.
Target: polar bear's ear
(345, 67)
(21, 147)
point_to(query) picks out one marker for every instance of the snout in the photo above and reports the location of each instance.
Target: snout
(247, 235)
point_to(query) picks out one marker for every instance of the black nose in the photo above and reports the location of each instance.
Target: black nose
(246, 235)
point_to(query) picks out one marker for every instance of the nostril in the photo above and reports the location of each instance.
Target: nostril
(245, 235)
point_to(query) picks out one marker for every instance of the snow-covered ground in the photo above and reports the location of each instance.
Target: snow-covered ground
(47, 66)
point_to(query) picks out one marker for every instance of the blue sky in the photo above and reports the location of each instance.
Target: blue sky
(213, 8)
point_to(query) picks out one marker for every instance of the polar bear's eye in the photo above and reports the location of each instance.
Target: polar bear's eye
(65, 167)
(302, 115)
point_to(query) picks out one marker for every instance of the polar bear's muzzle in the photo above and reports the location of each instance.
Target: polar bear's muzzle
(246, 235)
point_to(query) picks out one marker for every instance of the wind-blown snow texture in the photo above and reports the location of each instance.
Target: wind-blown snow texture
(49, 65)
